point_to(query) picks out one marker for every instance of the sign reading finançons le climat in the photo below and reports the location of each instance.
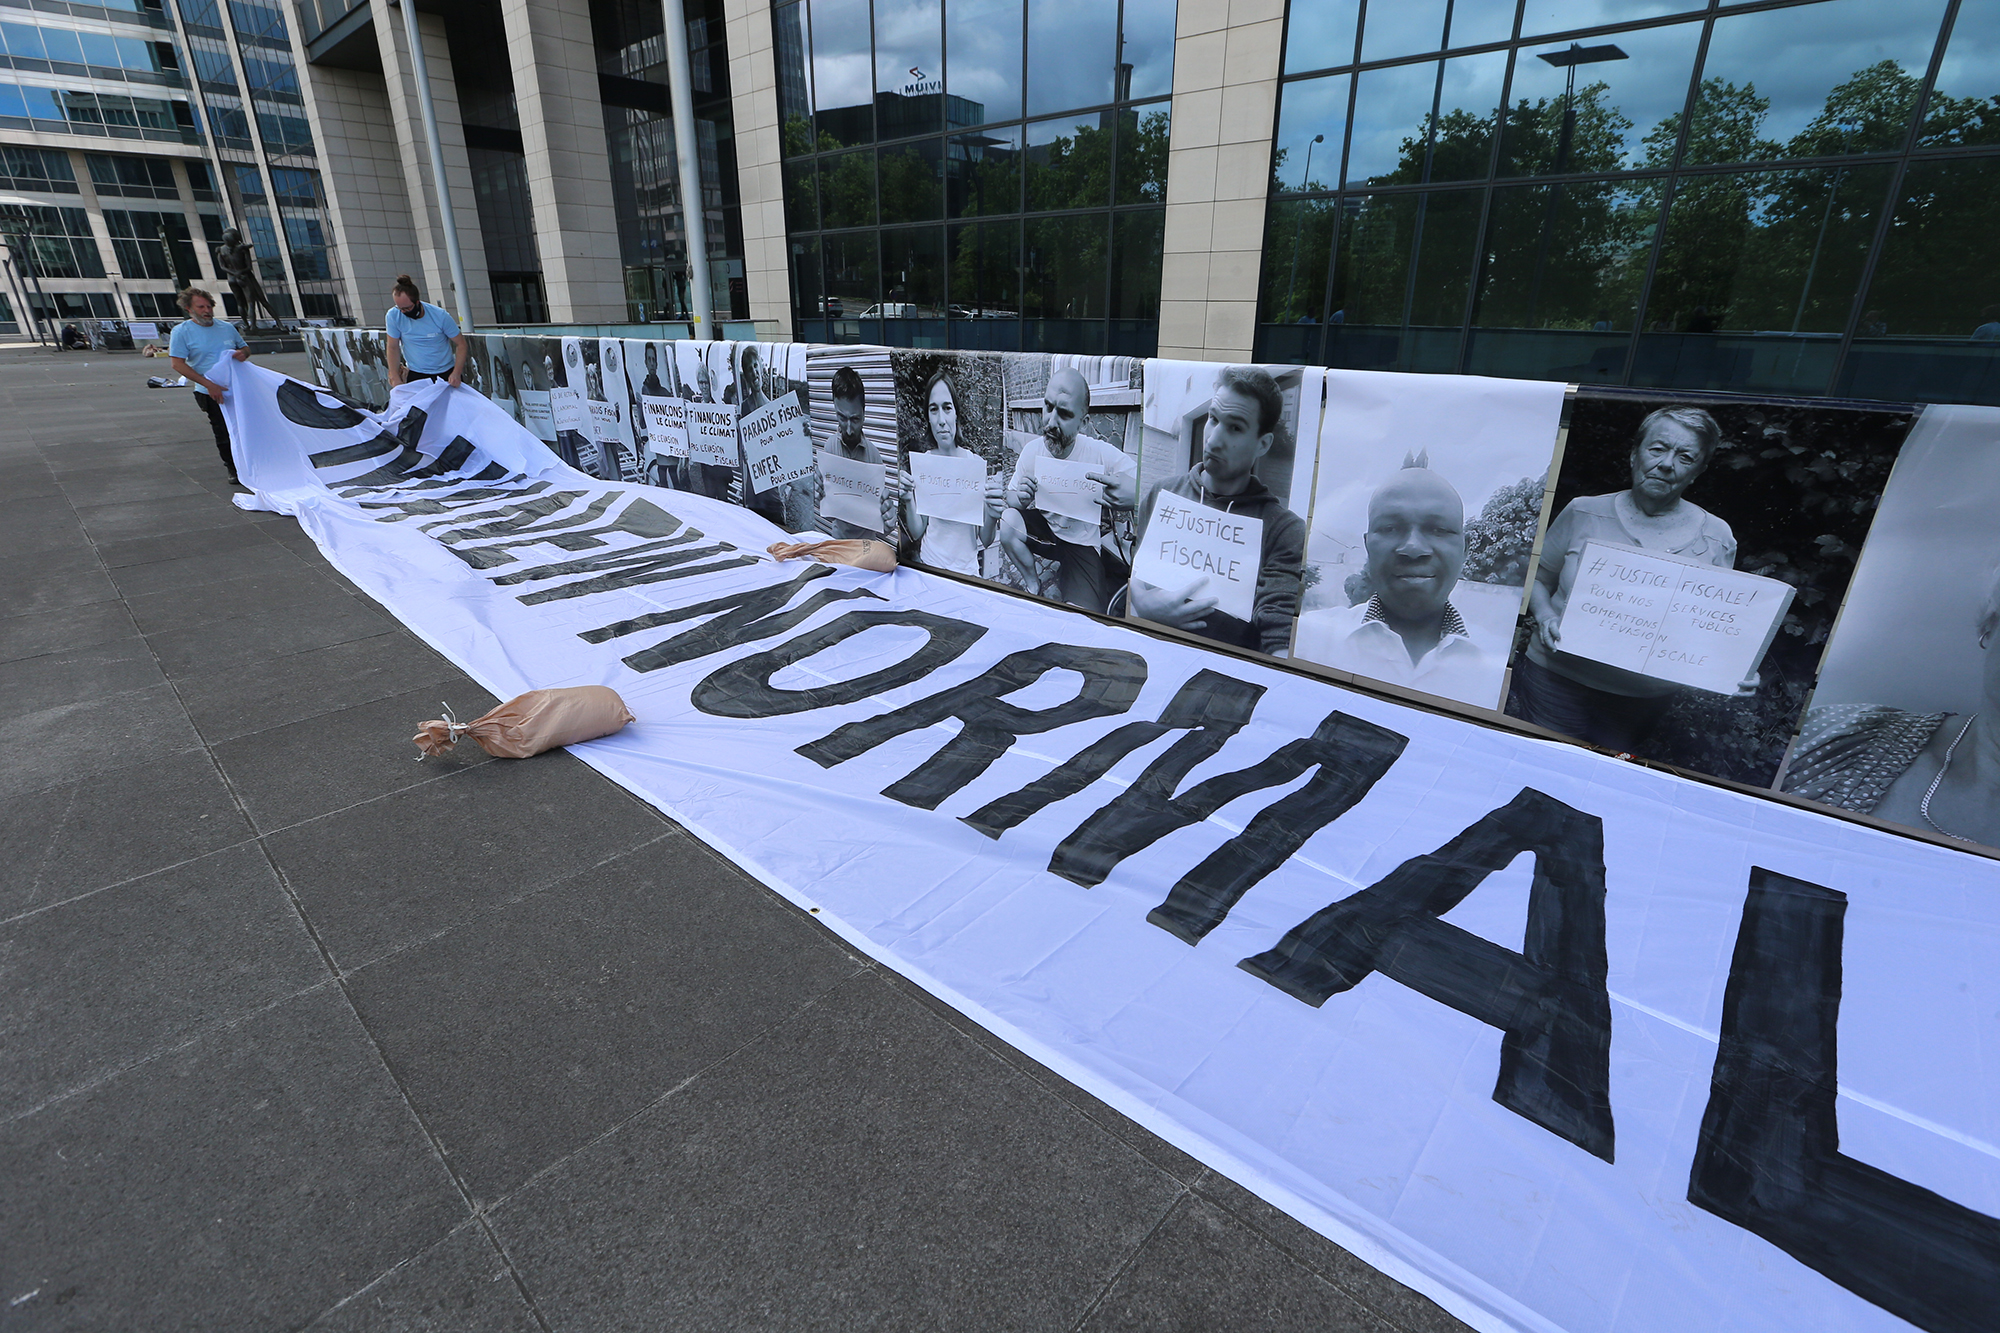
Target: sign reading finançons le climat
(1601, 1096)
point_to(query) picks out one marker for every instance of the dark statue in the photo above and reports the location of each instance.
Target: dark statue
(237, 262)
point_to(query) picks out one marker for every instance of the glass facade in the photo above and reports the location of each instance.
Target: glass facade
(976, 173)
(1768, 197)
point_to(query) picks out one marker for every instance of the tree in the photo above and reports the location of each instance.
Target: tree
(1499, 541)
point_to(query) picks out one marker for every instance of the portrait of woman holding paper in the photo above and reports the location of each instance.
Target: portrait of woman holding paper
(1635, 639)
(1905, 721)
(945, 485)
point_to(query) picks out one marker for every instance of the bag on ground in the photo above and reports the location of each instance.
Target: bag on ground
(531, 723)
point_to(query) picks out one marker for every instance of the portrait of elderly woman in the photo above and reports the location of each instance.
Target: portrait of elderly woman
(1778, 488)
(1905, 722)
(1607, 705)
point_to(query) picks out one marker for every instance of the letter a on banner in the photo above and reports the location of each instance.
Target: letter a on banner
(1549, 1002)
(1769, 1155)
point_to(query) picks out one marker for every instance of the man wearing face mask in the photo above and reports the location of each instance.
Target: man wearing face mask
(1074, 543)
(1242, 425)
(1408, 633)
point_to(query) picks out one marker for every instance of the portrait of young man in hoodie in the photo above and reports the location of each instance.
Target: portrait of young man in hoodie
(1243, 420)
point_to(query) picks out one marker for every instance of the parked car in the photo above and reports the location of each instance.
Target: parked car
(832, 307)
(897, 310)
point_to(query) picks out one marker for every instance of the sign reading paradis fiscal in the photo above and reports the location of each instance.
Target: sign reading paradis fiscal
(1563, 1042)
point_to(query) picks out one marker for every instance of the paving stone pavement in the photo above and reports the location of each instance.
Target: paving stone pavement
(296, 1033)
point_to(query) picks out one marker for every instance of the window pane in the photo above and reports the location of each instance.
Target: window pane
(985, 268)
(1071, 52)
(909, 67)
(1135, 263)
(1372, 269)
(1402, 28)
(788, 30)
(983, 47)
(847, 189)
(1627, 111)
(807, 291)
(1142, 154)
(1566, 257)
(1148, 50)
(1391, 108)
(22, 40)
(1069, 165)
(62, 45)
(913, 270)
(842, 78)
(913, 181)
(1063, 267)
(1321, 35)
(1962, 106)
(984, 173)
(852, 270)
(801, 196)
(1935, 275)
(1546, 16)
(99, 49)
(1462, 139)
(1298, 243)
(1477, 22)
(1847, 84)
(1312, 114)
(1444, 258)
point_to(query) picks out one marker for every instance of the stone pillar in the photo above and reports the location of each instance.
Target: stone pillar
(361, 168)
(569, 169)
(1227, 55)
(753, 88)
(433, 268)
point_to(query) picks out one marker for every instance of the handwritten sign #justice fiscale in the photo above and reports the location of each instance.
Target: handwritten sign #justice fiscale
(1186, 543)
(1671, 618)
(776, 446)
(950, 486)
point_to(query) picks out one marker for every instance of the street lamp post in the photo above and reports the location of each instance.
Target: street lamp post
(1305, 182)
(1564, 60)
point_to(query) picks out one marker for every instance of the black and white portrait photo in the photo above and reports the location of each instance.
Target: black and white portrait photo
(1779, 491)
(953, 461)
(852, 396)
(1219, 544)
(1424, 517)
(1905, 721)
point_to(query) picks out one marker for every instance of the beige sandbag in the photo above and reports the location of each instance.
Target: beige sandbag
(531, 723)
(862, 553)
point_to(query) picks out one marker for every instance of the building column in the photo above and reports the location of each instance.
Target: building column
(401, 86)
(361, 170)
(760, 178)
(1227, 56)
(569, 169)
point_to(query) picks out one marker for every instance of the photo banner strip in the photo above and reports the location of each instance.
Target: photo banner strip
(1601, 1097)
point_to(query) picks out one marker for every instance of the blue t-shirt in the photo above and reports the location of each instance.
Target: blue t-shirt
(425, 337)
(202, 347)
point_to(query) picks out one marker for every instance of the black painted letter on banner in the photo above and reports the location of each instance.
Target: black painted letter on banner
(1769, 1156)
(1350, 754)
(1549, 1001)
(735, 619)
(1112, 679)
(1212, 706)
(744, 689)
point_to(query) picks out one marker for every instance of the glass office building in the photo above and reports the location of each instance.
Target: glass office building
(1767, 197)
(976, 173)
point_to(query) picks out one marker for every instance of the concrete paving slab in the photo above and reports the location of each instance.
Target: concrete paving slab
(76, 675)
(253, 594)
(180, 545)
(218, 647)
(525, 1033)
(461, 1283)
(77, 741)
(261, 695)
(208, 567)
(84, 626)
(46, 580)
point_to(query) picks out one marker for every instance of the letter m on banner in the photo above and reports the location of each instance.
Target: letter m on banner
(1549, 1002)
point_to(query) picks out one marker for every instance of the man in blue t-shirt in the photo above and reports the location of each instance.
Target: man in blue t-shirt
(425, 342)
(197, 343)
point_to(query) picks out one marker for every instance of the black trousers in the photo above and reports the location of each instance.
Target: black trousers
(213, 410)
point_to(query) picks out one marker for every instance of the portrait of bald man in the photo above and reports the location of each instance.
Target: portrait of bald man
(1408, 632)
(1073, 543)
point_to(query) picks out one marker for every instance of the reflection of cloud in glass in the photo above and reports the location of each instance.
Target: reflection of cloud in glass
(1071, 48)
(1405, 28)
(1477, 22)
(1971, 65)
(840, 57)
(1571, 15)
(1149, 46)
(983, 42)
(1321, 35)
(1389, 107)
(1648, 87)
(1822, 46)
(907, 36)
(1310, 107)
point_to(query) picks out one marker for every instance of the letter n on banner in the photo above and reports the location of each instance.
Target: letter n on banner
(1550, 1002)
(1769, 1155)
(1112, 679)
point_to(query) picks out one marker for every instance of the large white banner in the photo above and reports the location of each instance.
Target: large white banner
(1566, 1043)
